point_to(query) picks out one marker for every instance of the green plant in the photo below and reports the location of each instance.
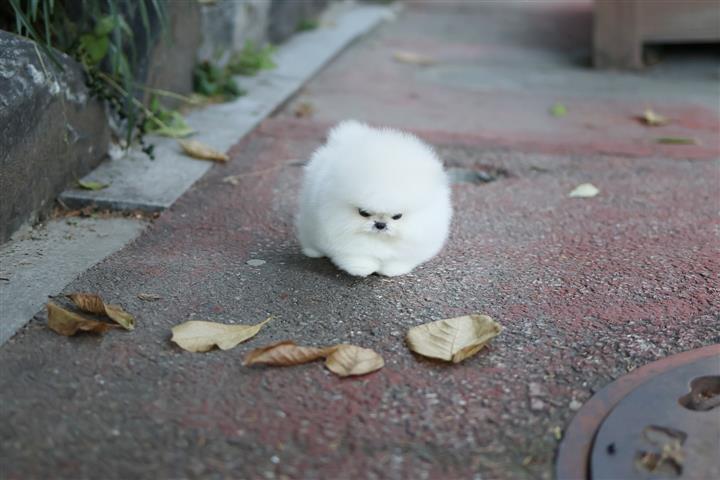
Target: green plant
(213, 81)
(97, 34)
(251, 59)
(307, 24)
(163, 121)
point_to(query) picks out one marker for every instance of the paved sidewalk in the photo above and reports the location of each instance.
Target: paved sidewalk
(587, 289)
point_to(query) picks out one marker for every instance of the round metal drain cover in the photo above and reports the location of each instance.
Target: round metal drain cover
(660, 421)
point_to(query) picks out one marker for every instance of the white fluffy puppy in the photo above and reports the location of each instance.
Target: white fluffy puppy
(374, 200)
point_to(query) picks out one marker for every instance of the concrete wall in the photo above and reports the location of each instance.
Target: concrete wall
(51, 131)
(227, 24)
(286, 14)
(213, 31)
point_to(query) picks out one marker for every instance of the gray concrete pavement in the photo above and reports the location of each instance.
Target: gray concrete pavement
(40, 262)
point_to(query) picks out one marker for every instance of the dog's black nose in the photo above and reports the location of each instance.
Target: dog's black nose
(380, 225)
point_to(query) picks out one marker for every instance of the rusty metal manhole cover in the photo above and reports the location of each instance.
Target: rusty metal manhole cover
(659, 421)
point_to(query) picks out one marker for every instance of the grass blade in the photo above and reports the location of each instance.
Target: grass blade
(46, 21)
(23, 20)
(145, 19)
(33, 9)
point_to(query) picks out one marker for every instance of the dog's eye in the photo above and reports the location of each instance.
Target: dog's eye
(397, 217)
(363, 212)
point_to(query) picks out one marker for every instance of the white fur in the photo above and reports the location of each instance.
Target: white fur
(384, 172)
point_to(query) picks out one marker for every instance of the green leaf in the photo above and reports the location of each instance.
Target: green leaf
(174, 132)
(558, 110)
(214, 73)
(96, 47)
(170, 124)
(125, 27)
(231, 88)
(211, 81)
(205, 87)
(105, 25)
(91, 185)
(307, 24)
(251, 59)
(678, 140)
(154, 104)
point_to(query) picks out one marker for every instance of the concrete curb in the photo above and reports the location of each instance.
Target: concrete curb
(137, 182)
(41, 262)
(51, 130)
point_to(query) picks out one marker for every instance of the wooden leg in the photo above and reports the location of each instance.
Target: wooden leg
(617, 41)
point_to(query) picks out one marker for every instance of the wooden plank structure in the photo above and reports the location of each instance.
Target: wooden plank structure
(621, 27)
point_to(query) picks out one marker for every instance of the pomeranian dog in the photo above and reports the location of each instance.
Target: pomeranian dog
(374, 201)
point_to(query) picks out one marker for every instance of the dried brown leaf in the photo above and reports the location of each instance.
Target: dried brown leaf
(349, 360)
(122, 317)
(68, 323)
(304, 109)
(412, 58)
(203, 152)
(88, 302)
(284, 353)
(201, 336)
(232, 179)
(93, 303)
(453, 339)
(149, 297)
(652, 119)
(584, 190)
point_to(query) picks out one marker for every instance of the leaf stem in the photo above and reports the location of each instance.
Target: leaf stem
(110, 81)
(169, 94)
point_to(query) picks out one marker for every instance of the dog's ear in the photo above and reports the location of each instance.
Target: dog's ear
(346, 130)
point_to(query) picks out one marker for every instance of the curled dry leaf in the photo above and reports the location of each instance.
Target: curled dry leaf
(201, 151)
(343, 360)
(347, 360)
(652, 119)
(122, 317)
(284, 353)
(91, 185)
(453, 339)
(412, 58)
(585, 190)
(201, 336)
(88, 302)
(92, 303)
(232, 179)
(304, 109)
(149, 297)
(678, 140)
(68, 323)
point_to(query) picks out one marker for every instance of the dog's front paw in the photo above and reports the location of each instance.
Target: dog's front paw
(311, 252)
(357, 266)
(393, 269)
